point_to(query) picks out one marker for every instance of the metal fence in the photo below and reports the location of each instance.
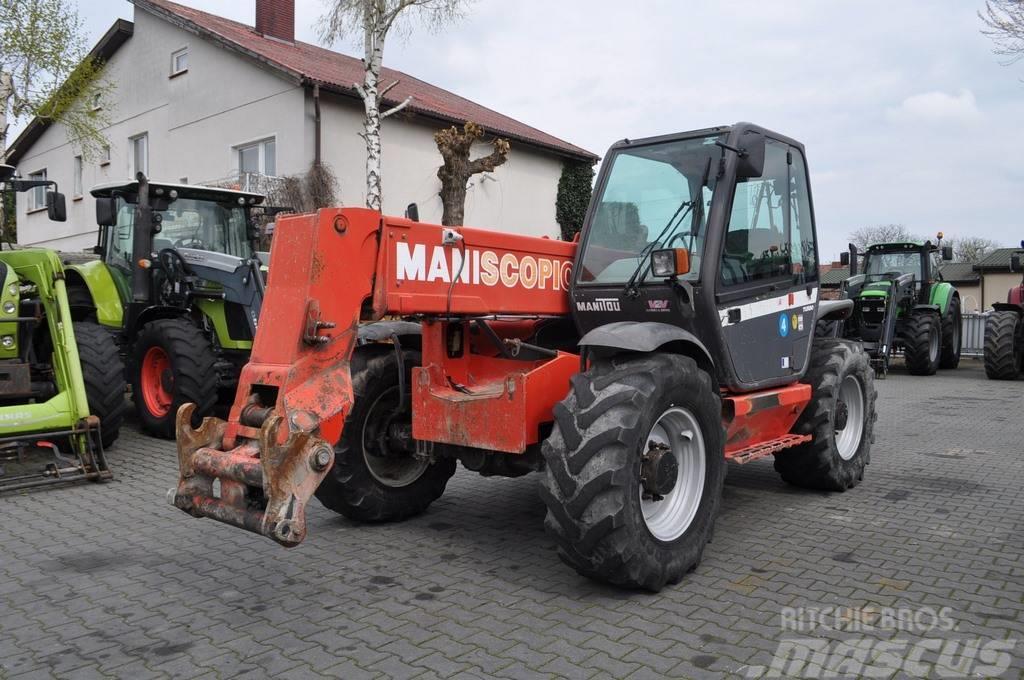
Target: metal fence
(973, 335)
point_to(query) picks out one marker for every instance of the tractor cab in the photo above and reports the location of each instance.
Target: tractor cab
(885, 262)
(714, 224)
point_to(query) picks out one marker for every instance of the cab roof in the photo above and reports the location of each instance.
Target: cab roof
(196, 191)
(901, 245)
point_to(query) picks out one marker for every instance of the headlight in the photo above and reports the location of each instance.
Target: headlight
(671, 262)
(10, 307)
(7, 341)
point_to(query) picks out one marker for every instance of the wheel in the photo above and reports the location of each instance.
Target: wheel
(952, 335)
(840, 418)
(376, 477)
(81, 304)
(103, 374)
(173, 364)
(634, 470)
(825, 328)
(1004, 345)
(922, 341)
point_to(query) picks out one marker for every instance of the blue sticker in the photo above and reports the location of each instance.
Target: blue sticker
(784, 324)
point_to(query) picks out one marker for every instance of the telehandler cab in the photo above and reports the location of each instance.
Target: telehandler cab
(179, 285)
(676, 336)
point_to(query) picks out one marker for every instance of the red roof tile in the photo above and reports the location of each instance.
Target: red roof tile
(339, 72)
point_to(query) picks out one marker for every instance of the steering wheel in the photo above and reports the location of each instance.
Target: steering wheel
(678, 236)
(190, 242)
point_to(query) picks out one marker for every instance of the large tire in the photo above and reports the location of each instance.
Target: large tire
(952, 335)
(375, 478)
(173, 364)
(843, 397)
(1004, 345)
(103, 374)
(592, 485)
(922, 342)
(81, 304)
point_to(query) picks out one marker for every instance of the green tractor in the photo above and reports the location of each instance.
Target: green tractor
(61, 382)
(901, 302)
(180, 284)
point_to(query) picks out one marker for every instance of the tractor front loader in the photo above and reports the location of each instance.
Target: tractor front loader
(61, 384)
(677, 336)
(1004, 331)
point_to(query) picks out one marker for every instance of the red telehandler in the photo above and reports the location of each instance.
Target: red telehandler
(677, 335)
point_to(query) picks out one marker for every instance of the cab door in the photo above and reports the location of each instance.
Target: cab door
(767, 293)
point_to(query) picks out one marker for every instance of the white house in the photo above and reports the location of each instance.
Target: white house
(200, 98)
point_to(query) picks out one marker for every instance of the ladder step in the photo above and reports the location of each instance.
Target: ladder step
(752, 453)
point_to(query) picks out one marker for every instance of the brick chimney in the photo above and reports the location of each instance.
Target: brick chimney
(276, 19)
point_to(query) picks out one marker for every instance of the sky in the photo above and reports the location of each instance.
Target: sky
(906, 114)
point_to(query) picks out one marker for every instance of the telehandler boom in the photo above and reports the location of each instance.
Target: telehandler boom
(677, 335)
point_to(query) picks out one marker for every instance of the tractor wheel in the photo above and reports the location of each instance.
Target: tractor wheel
(922, 343)
(952, 335)
(81, 304)
(840, 418)
(634, 470)
(103, 374)
(376, 476)
(173, 364)
(826, 328)
(1004, 345)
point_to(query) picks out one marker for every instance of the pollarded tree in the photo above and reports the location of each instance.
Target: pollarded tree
(455, 146)
(375, 20)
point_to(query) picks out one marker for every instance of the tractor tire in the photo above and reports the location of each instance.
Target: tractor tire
(1004, 345)
(922, 343)
(375, 477)
(840, 418)
(612, 516)
(826, 328)
(103, 374)
(952, 335)
(172, 364)
(81, 304)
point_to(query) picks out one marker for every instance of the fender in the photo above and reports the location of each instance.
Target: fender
(834, 310)
(1007, 307)
(152, 314)
(930, 308)
(942, 292)
(383, 330)
(647, 337)
(96, 277)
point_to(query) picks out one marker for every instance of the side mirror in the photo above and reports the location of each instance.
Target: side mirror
(844, 259)
(106, 211)
(1015, 263)
(56, 206)
(947, 253)
(751, 161)
(412, 212)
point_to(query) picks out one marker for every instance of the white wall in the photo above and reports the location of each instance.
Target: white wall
(518, 196)
(194, 120)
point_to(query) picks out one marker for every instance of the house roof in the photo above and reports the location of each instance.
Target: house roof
(339, 72)
(835, 276)
(997, 259)
(115, 36)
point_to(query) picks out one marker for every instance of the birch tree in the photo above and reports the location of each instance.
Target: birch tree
(455, 145)
(375, 20)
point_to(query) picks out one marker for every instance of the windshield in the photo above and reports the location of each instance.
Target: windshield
(652, 199)
(879, 264)
(187, 223)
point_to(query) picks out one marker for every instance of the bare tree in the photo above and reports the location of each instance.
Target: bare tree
(375, 19)
(1004, 23)
(455, 146)
(970, 248)
(880, 233)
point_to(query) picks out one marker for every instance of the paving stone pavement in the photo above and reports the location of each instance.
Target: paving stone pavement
(111, 581)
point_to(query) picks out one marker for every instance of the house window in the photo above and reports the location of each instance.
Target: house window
(258, 158)
(139, 146)
(105, 155)
(37, 195)
(179, 61)
(77, 177)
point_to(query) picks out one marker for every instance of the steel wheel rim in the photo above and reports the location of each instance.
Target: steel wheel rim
(151, 382)
(669, 518)
(392, 472)
(848, 439)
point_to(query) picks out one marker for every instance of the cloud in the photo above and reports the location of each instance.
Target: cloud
(937, 106)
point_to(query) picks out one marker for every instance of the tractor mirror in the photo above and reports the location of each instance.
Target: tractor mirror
(412, 212)
(106, 211)
(751, 160)
(947, 253)
(1015, 263)
(56, 206)
(670, 262)
(844, 259)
